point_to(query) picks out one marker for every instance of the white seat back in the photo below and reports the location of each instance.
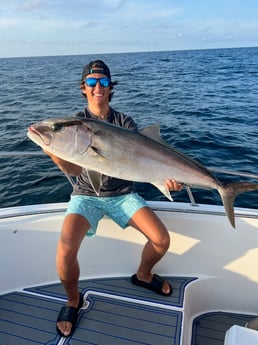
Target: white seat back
(238, 335)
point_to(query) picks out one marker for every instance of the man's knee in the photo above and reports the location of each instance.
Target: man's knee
(73, 231)
(165, 241)
(162, 240)
(66, 250)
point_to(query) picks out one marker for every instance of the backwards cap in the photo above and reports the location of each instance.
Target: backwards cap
(97, 66)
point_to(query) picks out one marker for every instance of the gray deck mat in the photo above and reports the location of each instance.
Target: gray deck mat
(210, 328)
(123, 287)
(117, 322)
(27, 319)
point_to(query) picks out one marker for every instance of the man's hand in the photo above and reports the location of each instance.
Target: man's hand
(173, 185)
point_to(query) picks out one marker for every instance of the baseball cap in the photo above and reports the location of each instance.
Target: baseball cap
(96, 66)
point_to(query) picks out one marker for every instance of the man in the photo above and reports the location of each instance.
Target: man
(117, 199)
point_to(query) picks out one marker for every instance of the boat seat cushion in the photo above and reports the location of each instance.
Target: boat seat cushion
(238, 335)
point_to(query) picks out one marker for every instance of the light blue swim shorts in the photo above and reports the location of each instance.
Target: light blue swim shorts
(93, 208)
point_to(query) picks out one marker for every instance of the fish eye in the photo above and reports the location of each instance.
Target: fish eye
(57, 127)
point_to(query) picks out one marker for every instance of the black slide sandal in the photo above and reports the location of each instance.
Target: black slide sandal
(155, 285)
(69, 314)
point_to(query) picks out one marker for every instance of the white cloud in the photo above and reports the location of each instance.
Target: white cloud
(30, 5)
(8, 23)
(123, 25)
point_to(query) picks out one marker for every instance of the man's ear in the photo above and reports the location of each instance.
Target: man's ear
(83, 88)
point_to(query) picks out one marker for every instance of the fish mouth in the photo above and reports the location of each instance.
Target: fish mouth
(44, 138)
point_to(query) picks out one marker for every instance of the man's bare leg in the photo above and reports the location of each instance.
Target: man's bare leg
(74, 229)
(146, 221)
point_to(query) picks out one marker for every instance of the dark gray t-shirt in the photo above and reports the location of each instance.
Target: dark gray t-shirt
(110, 186)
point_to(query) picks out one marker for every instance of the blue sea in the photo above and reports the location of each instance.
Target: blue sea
(206, 102)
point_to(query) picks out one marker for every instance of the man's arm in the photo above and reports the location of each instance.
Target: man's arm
(64, 166)
(76, 170)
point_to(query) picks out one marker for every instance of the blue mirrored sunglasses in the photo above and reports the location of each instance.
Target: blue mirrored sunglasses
(92, 82)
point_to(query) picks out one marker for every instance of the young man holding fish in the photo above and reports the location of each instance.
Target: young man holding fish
(95, 195)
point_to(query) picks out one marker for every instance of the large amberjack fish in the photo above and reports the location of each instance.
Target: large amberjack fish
(143, 156)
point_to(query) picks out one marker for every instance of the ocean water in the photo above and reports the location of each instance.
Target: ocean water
(206, 102)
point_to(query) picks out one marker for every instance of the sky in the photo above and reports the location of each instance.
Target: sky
(74, 27)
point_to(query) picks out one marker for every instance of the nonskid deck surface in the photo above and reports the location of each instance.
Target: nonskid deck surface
(210, 328)
(118, 313)
(122, 287)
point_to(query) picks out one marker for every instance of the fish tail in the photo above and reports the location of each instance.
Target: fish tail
(229, 192)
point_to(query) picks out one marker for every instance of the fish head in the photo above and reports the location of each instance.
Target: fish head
(67, 138)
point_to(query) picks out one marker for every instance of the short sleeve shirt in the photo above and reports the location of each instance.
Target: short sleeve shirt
(110, 186)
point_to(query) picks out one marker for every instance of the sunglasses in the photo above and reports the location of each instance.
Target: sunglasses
(92, 82)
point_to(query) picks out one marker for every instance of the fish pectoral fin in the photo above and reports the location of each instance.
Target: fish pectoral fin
(95, 179)
(164, 191)
(96, 152)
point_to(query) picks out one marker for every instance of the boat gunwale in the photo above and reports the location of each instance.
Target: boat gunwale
(159, 206)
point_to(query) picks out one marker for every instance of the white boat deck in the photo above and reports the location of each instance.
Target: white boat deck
(212, 268)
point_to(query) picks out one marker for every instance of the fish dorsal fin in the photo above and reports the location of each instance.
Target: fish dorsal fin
(153, 132)
(95, 179)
